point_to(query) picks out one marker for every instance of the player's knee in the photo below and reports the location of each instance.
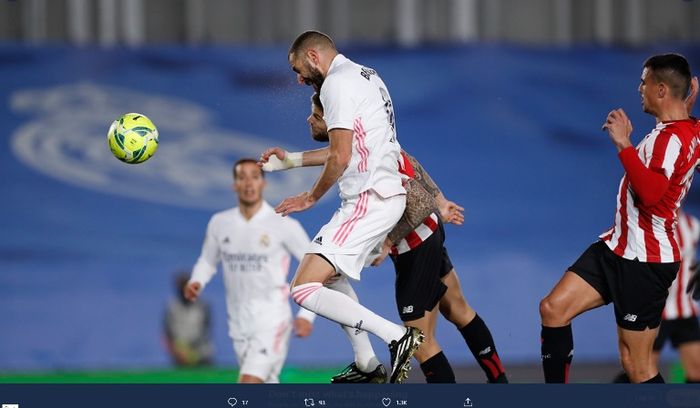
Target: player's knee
(548, 309)
(304, 291)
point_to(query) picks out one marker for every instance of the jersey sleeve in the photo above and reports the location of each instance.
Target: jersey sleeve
(295, 240)
(339, 104)
(665, 153)
(648, 184)
(205, 267)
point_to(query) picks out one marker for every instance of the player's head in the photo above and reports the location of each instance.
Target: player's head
(248, 181)
(319, 131)
(664, 76)
(310, 56)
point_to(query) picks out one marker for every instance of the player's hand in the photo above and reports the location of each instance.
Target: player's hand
(302, 327)
(693, 284)
(192, 290)
(271, 159)
(692, 96)
(296, 203)
(450, 212)
(619, 129)
(383, 252)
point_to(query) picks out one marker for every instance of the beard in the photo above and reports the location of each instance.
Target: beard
(315, 78)
(319, 136)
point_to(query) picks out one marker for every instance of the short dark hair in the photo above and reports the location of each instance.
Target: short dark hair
(310, 39)
(672, 70)
(316, 101)
(245, 160)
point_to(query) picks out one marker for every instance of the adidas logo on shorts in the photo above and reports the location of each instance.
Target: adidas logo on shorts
(630, 317)
(318, 240)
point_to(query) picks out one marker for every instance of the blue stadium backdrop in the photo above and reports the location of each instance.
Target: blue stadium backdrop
(89, 245)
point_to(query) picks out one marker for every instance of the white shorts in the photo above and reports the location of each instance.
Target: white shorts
(359, 225)
(263, 353)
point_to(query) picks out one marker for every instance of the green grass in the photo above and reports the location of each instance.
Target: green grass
(165, 376)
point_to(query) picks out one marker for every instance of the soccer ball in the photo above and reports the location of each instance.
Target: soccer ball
(133, 138)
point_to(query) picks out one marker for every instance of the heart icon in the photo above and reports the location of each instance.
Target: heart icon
(232, 401)
(386, 401)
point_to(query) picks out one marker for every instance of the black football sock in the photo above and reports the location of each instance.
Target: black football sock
(657, 379)
(557, 353)
(480, 342)
(437, 369)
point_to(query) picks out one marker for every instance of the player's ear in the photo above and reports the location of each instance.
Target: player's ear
(313, 56)
(661, 90)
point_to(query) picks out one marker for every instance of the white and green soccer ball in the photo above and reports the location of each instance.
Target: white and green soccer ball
(133, 138)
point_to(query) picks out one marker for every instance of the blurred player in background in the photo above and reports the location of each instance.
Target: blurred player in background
(424, 273)
(254, 244)
(634, 263)
(187, 327)
(363, 160)
(679, 322)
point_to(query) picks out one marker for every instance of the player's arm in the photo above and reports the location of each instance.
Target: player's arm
(276, 158)
(419, 205)
(205, 268)
(450, 212)
(649, 184)
(339, 152)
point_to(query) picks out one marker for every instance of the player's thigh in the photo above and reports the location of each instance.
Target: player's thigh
(418, 286)
(266, 352)
(313, 268)
(571, 296)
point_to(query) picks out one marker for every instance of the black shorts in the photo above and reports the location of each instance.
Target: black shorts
(637, 289)
(679, 331)
(418, 276)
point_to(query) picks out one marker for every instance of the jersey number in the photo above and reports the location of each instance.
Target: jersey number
(389, 109)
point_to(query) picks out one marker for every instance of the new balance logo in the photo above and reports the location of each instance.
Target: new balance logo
(318, 240)
(407, 309)
(485, 351)
(630, 317)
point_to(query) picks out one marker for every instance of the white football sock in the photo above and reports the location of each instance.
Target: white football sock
(365, 357)
(342, 309)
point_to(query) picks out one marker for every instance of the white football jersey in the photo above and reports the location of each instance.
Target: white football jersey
(355, 98)
(255, 258)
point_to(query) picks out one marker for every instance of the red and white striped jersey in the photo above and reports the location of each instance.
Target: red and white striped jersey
(679, 305)
(417, 236)
(425, 229)
(647, 232)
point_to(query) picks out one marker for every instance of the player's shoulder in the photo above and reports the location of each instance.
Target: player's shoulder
(686, 127)
(344, 75)
(222, 216)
